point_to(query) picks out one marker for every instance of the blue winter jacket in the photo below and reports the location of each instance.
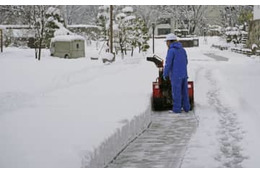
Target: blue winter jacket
(176, 62)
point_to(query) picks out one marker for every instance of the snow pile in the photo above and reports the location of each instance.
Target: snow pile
(254, 46)
(107, 56)
(112, 146)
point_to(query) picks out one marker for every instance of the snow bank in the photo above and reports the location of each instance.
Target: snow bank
(113, 145)
(107, 56)
(69, 112)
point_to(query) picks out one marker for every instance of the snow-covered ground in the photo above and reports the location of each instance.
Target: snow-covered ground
(226, 96)
(62, 113)
(54, 112)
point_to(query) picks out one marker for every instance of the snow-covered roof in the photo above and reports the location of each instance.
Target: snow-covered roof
(192, 38)
(16, 33)
(163, 26)
(179, 30)
(15, 26)
(67, 38)
(84, 26)
(128, 10)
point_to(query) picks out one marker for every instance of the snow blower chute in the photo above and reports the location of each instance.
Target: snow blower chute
(162, 97)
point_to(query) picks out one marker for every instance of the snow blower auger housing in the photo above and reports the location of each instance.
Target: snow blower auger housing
(162, 97)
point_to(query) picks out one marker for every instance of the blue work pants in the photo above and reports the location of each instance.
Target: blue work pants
(180, 95)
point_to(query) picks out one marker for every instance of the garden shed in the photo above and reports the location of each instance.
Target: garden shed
(68, 46)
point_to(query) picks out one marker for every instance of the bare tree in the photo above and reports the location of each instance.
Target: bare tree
(39, 23)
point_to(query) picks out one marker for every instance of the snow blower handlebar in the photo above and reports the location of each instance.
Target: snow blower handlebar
(156, 60)
(159, 64)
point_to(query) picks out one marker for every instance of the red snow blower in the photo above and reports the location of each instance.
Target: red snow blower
(162, 95)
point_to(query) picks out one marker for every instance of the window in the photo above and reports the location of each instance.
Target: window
(77, 45)
(164, 31)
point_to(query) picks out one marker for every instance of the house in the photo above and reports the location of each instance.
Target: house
(68, 46)
(163, 26)
(16, 35)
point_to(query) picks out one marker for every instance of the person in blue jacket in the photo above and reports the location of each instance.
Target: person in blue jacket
(176, 69)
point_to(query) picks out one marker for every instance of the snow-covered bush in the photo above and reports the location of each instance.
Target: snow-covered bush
(131, 32)
(54, 22)
(103, 21)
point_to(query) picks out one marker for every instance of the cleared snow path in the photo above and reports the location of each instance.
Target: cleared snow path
(216, 57)
(162, 145)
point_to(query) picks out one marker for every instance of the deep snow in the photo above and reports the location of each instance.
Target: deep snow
(56, 112)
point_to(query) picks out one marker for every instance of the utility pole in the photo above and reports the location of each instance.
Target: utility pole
(153, 26)
(111, 29)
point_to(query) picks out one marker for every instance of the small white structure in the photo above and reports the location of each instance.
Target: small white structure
(68, 46)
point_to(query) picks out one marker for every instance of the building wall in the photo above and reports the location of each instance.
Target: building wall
(254, 33)
(256, 12)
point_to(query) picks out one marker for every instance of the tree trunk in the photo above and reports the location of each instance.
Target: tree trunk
(36, 53)
(40, 49)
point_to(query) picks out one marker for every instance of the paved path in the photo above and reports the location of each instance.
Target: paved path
(162, 145)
